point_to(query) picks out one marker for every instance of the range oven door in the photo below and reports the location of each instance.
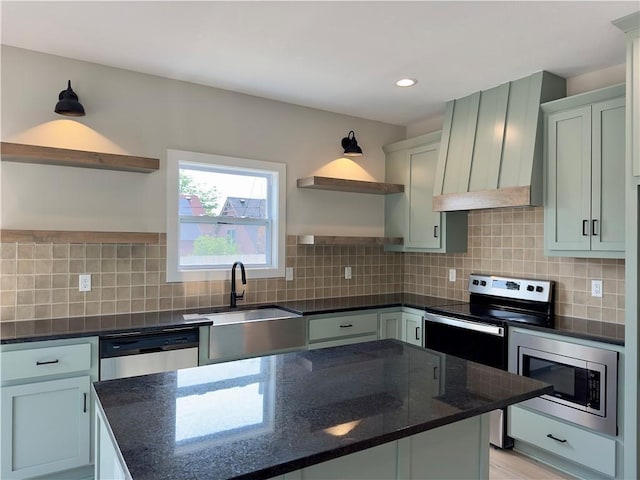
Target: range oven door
(478, 342)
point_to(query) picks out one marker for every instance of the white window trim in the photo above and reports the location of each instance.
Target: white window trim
(278, 233)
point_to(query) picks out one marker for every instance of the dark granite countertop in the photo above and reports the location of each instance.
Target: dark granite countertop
(267, 416)
(50, 329)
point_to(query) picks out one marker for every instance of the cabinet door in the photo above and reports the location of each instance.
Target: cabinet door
(424, 224)
(412, 328)
(45, 427)
(567, 211)
(391, 325)
(608, 162)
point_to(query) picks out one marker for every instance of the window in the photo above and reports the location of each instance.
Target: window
(221, 210)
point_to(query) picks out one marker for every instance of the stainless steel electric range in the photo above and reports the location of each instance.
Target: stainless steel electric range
(477, 330)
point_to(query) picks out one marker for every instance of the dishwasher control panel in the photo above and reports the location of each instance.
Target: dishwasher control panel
(138, 343)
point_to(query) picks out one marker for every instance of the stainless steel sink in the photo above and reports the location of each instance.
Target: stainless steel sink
(242, 316)
(259, 331)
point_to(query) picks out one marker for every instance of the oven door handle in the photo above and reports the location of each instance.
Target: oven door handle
(467, 325)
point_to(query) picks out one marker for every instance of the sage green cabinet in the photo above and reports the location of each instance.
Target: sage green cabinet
(331, 330)
(108, 463)
(391, 325)
(491, 142)
(459, 450)
(410, 214)
(412, 328)
(585, 172)
(45, 427)
(405, 325)
(46, 410)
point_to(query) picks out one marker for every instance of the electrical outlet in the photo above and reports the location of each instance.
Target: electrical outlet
(84, 283)
(288, 274)
(596, 288)
(347, 273)
(452, 274)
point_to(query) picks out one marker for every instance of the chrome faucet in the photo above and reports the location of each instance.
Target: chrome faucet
(234, 295)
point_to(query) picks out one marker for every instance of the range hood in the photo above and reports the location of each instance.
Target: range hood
(491, 148)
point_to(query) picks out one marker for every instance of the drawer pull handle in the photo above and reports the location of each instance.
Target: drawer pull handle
(435, 231)
(417, 333)
(48, 362)
(84, 408)
(594, 227)
(556, 438)
(346, 325)
(585, 228)
(435, 373)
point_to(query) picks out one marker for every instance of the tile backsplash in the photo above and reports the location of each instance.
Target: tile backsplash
(40, 280)
(509, 242)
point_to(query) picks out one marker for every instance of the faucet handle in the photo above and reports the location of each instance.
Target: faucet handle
(240, 295)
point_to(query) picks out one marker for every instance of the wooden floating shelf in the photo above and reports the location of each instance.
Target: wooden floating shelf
(57, 236)
(354, 186)
(17, 152)
(344, 240)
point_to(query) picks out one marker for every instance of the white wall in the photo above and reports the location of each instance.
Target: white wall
(144, 115)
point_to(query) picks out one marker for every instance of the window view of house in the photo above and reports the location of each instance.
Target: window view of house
(224, 217)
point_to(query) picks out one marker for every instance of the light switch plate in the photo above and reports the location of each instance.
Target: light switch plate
(288, 274)
(452, 274)
(347, 273)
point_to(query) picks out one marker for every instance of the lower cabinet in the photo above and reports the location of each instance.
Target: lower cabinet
(342, 329)
(585, 448)
(46, 410)
(405, 325)
(412, 328)
(108, 463)
(431, 454)
(45, 427)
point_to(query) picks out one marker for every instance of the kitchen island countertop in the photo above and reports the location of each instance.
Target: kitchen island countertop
(266, 416)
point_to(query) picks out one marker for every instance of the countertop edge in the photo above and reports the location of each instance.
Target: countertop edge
(41, 330)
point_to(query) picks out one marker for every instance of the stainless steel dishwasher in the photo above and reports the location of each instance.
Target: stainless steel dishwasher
(130, 354)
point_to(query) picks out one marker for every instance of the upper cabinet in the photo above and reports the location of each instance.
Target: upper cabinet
(585, 172)
(410, 214)
(490, 153)
(630, 25)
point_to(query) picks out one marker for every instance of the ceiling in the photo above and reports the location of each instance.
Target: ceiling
(338, 56)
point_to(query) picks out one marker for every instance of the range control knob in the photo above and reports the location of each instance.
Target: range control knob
(475, 282)
(529, 288)
(539, 289)
(483, 283)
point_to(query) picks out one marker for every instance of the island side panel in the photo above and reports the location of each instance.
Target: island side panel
(432, 454)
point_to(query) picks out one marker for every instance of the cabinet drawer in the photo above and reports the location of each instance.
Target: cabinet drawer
(343, 326)
(581, 446)
(40, 362)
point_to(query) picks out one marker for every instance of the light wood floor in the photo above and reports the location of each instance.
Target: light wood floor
(510, 465)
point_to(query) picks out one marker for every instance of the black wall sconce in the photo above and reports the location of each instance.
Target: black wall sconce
(68, 103)
(350, 145)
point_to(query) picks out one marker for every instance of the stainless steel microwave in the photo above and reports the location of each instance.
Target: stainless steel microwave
(584, 379)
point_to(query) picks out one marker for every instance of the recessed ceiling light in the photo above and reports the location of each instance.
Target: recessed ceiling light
(406, 82)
